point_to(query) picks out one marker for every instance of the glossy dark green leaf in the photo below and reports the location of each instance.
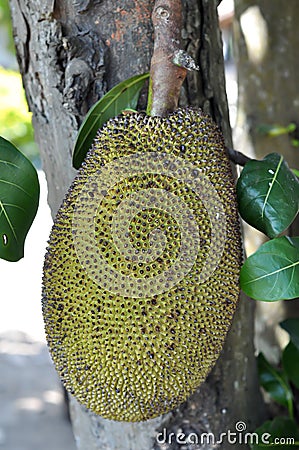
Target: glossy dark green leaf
(282, 433)
(19, 196)
(272, 272)
(275, 383)
(292, 327)
(268, 194)
(290, 362)
(123, 96)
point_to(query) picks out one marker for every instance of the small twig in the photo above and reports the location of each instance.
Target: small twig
(237, 157)
(169, 64)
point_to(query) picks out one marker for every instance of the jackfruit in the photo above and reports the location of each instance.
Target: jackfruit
(141, 273)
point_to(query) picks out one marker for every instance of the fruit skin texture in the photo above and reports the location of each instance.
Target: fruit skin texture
(132, 359)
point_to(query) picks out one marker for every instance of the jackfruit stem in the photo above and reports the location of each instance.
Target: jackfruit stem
(237, 157)
(166, 74)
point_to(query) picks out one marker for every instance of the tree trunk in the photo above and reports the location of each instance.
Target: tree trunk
(70, 53)
(267, 44)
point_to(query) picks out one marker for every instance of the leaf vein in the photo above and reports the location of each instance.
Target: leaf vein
(272, 273)
(8, 220)
(9, 163)
(272, 184)
(16, 186)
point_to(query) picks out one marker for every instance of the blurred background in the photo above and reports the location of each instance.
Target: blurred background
(33, 415)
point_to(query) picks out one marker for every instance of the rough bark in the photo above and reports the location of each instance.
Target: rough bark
(70, 53)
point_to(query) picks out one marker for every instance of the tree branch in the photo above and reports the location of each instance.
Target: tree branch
(237, 157)
(169, 62)
(169, 65)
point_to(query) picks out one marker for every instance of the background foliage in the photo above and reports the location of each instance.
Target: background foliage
(15, 119)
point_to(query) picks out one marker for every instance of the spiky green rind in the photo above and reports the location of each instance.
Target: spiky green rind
(132, 359)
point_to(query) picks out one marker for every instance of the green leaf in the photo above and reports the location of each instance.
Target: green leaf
(296, 172)
(268, 194)
(19, 196)
(272, 272)
(275, 383)
(290, 362)
(123, 96)
(276, 130)
(292, 327)
(280, 434)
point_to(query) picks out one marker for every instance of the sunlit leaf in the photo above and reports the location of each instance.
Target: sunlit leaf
(296, 172)
(19, 196)
(275, 130)
(272, 272)
(275, 383)
(123, 96)
(15, 119)
(268, 194)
